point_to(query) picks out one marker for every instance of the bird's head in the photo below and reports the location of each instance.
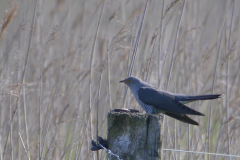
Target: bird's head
(132, 82)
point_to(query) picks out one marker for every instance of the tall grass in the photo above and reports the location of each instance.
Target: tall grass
(52, 55)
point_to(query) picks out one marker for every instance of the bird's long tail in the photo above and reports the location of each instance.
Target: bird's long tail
(184, 118)
(186, 99)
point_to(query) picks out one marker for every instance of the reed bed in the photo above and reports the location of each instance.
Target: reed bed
(52, 54)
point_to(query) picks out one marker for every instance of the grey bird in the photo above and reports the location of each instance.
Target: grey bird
(154, 100)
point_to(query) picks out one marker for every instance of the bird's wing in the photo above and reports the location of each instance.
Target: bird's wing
(164, 101)
(186, 99)
(183, 118)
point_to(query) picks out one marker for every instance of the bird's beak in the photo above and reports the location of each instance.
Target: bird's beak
(123, 81)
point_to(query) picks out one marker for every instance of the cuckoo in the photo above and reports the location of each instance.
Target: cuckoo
(154, 100)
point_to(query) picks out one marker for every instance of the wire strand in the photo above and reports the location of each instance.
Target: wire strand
(217, 154)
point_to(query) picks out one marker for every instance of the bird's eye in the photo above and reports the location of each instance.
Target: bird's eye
(129, 80)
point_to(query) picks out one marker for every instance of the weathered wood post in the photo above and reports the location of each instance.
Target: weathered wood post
(135, 136)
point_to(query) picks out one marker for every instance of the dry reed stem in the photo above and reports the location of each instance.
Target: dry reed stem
(9, 16)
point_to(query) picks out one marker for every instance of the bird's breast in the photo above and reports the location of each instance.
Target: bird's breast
(148, 109)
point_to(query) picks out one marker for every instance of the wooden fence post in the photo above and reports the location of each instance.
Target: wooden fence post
(135, 136)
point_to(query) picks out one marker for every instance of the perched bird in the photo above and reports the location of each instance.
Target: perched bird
(154, 100)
